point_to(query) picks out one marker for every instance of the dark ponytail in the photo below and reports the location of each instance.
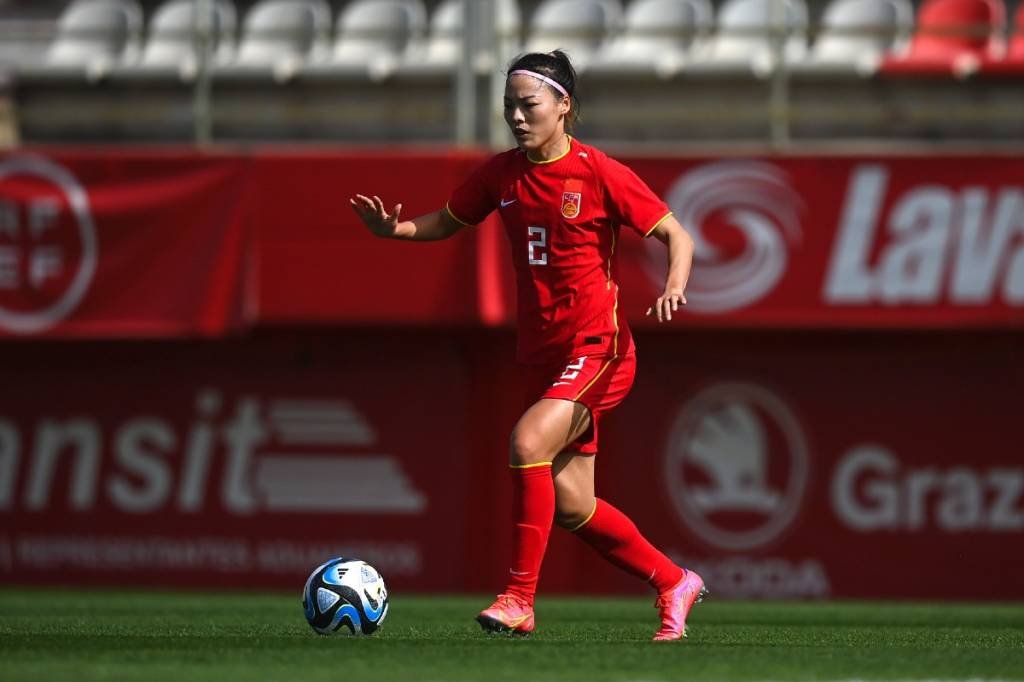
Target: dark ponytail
(556, 66)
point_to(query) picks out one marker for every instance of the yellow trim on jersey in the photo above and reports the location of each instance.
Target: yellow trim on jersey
(586, 520)
(560, 156)
(655, 226)
(529, 466)
(596, 377)
(615, 320)
(615, 348)
(610, 257)
(456, 218)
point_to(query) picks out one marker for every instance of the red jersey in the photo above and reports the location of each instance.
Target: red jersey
(562, 218)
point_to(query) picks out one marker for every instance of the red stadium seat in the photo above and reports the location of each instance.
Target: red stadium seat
(1016, 51)
(1012, 64)
(953, 37)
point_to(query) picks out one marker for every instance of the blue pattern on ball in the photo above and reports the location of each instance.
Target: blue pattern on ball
(347, 610)
(372, 614)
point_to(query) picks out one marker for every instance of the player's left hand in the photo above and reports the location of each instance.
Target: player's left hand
(666, 304)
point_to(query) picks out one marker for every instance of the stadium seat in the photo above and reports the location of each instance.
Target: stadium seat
(743, 43)
(95, 35)
(1016, 49)
(171, 43)
(579, 27)
(657, 37)
(443, 48)
(856, 35)
(373, 35)
(953, 37)
(1012, 64)
(281, 36)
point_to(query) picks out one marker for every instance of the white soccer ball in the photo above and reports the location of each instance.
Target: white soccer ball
(346, 597)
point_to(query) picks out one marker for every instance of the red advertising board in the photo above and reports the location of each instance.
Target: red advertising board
(318, 264)
(810, 465)
(234, 463)
(110, 245)
(144, 243)
(829, 464)
(834, 414)
(911, 241)
(794, 241)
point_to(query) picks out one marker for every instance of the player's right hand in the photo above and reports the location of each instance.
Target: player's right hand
(373, 215)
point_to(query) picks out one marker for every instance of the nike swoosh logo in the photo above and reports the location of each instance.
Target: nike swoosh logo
(506, 203)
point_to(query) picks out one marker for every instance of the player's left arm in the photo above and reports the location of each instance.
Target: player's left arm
(680, 257)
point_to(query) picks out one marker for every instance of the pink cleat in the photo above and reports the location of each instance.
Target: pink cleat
(674, 605)
(508, 614)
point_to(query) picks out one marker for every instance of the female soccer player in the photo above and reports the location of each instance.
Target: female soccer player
(562, 203)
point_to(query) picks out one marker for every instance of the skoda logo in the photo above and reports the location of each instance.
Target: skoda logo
(736, 466)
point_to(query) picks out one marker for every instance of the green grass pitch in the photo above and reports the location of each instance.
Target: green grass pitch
(53, 634)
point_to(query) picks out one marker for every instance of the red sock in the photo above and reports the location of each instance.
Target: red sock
(617, 539)
(533, 503)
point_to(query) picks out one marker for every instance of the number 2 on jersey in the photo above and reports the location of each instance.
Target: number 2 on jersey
(536, 247)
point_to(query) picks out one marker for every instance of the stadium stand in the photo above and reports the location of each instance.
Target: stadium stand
(282, 35)
(94, 35)
(746, 35)
(444, 45)
(443, 48)
(580, 27)
(385, 70)
(373, 36)
(658, 38)
(1012, 64)
(952, 37)
(855, 37)
(171, 40)
(348, 92)
(1016, 51)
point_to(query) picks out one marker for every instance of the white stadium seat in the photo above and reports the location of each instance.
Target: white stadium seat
(172, 34)
(857, 34)
(443, 47)
(657, 37)
(283, 35)
(744, 39)
(96, 35)
(579, 27)
(373, 35)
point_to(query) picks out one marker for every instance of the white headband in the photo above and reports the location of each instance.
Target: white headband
(553, 83)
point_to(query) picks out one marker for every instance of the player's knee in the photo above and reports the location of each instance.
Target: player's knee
(571, 514)
(572, 506)
(527, 448)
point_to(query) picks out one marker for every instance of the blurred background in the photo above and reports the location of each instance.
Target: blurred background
(211, 375)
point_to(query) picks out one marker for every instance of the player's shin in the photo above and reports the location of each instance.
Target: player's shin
(533, 508)
(615, 537)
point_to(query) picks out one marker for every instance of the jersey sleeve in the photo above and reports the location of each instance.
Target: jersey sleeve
(474, 199)
(631, 200)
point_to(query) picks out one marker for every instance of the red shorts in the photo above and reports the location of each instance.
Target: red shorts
(597, 383)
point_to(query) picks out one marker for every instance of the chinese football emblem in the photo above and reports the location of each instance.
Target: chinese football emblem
(571, 204)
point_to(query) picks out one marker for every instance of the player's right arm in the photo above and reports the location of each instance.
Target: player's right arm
(427, 227)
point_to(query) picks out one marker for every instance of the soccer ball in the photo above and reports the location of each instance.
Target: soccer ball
(345, 596)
